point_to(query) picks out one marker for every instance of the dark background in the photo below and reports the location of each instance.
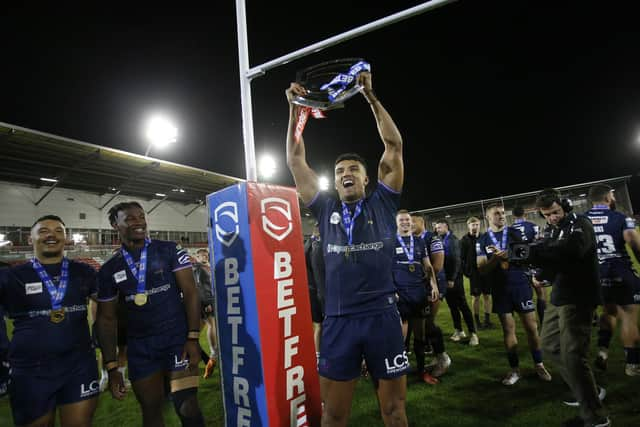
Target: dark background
(492, 97)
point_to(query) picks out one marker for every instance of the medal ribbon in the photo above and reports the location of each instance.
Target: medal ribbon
(303, 116)
(348, 221)
(502, 246)
(410, 252)
(57, 295)
(340, 82)
(141, 274)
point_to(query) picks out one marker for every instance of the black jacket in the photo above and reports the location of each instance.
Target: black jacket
(452, 261)
(568, 259)
(468, 255)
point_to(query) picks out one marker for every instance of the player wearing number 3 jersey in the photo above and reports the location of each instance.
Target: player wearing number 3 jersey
(620, 285)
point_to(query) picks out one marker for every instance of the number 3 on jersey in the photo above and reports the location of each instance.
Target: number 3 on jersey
(606, 245)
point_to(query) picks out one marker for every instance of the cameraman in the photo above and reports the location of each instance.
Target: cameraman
(568, 259)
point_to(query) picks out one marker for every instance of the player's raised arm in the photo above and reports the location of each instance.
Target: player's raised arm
(391, 167)
(304, 177)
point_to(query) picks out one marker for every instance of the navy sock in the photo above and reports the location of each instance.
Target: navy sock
(604, 337)
(633, 355)
(514, 362)
(537, 356)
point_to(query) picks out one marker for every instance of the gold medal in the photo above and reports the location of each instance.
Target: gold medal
(57, 316)
(412, 268)
(140, 299)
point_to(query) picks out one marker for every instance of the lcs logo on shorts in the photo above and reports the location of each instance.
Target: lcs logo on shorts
(89, 390)
(398, 363)
(276, 217)
(226, 219)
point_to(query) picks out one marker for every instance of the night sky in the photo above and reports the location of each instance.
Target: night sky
(492, 97)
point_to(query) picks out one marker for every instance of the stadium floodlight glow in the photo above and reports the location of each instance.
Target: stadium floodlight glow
(178, 190)
(267, 166)
(2, 236)
(161, 195)
(48, 179)
(582, 195)
(160, 132)
(77, 238)
(323, 183)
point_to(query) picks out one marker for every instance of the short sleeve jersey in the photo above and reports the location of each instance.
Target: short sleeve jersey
(358, 276)
(609, 227)
(37, 341)
(515, 275)
(528, 230)
(403, 277)
(164, 311)
(434, 245)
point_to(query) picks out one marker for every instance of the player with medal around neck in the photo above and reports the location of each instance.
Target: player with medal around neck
(339, 362)
(156, 351)
(52, 360)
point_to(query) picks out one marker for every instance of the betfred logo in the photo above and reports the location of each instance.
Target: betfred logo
(226, 219)
(276, 217)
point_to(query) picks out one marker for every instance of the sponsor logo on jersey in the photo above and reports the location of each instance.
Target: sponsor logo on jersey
(120, 276)
(33, 288)
(227, 226)
(631, 223)
(599, 219)
(335, 218)
(276, 217)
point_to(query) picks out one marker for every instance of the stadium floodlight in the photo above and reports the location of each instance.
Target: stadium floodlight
(160, 133)
(48, 179)
(161, 195)
(77, 238)
(267, 166)
(323, 183)
(2, 236)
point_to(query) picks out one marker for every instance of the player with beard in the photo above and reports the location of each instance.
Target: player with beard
(511, 291)
(432, 334)
(163, 328)
(620, 284)
(358, 235)
(53, 364)
(415, 284)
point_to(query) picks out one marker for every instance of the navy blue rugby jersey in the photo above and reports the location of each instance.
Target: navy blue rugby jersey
(164, 311)
(432, 242)
(609, 227)
(515, 275)
(528, 230)
(402, 276)
(38, 342)
(358, 276)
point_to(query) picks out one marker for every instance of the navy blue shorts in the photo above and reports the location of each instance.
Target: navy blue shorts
(411, 302)
(149, 355)
(510, 299)
(620, 285)
(32, 396)
(376, 338)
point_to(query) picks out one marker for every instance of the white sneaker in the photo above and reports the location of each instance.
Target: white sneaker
(442, 365)
(542, 372)
(457, 335)
(511, 378)
(632, 369)
(474, 341)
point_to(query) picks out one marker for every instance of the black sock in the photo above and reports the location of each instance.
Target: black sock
(541, 306)
(487, 317)
(604, 338)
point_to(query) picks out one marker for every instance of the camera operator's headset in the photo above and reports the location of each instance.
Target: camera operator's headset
(566, 204)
